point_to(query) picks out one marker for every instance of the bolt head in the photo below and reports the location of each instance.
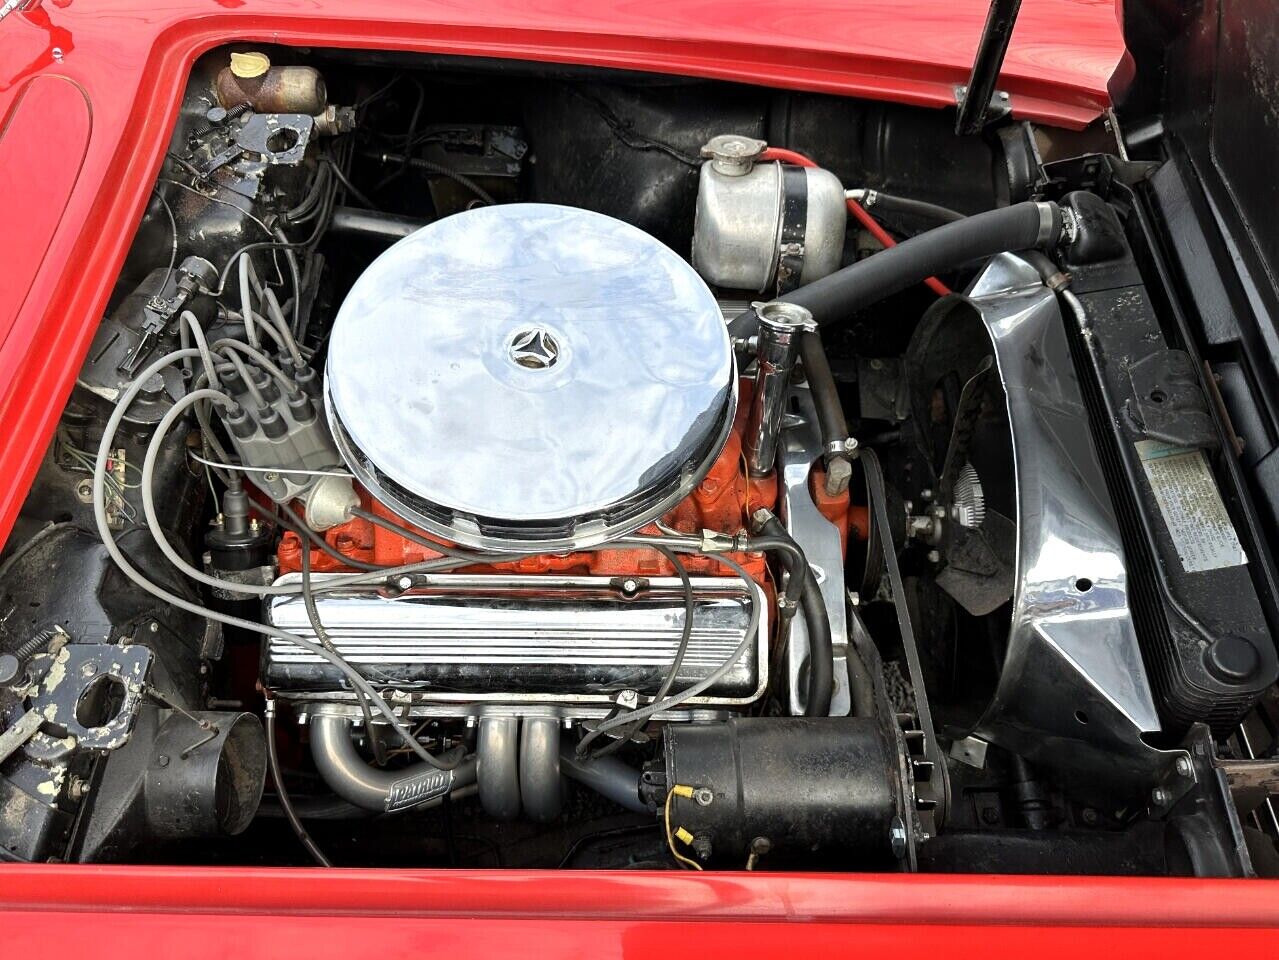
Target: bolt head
(1159, 796)
(1183, 766)
(934, 556)
(704, 797)
(897, 838)
(404, 582)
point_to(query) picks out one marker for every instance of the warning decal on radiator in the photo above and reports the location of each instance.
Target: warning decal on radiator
(1191, 506)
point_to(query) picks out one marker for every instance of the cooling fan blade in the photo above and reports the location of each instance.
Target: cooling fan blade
(962, 423)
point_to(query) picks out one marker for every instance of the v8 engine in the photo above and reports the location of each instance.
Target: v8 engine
(599, 471)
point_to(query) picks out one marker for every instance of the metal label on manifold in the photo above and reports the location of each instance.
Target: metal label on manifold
(530, 376)
(417, 789)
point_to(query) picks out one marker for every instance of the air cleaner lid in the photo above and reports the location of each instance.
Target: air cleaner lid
(530, 376)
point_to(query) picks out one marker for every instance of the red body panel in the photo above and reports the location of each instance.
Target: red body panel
(312, 913)
(77, 158)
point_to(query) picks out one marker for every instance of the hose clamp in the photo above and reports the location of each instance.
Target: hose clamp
(1069, 225)
(1048, 214)
(841, 448)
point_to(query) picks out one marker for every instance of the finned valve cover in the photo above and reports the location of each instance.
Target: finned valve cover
(530, 377)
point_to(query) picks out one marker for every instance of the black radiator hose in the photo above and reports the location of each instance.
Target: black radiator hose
(833, 298)
(821, 384)
(907, 207)
(821, 655)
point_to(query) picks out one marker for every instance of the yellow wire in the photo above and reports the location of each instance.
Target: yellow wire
(670, 839)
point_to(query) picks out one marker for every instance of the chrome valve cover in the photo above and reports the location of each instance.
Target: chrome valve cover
(571, 641)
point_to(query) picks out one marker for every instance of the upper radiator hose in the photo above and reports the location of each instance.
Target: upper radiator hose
(833, 298)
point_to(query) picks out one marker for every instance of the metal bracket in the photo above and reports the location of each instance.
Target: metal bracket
(999, 105)
(1177, 780)
(75, 672)
(279, 138)
(276, 138)
(987, 103)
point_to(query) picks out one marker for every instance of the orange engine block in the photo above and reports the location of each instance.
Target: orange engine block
(722, 502)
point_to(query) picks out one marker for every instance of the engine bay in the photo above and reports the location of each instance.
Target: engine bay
(514, 465)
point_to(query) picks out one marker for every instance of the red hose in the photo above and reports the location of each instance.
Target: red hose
(782, 155)
(884, 237)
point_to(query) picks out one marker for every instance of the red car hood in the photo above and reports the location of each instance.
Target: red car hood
(915, 51)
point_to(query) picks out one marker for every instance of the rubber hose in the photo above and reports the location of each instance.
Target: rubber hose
(1054, 277)
(821, 384)
(836, 296)
(793, 555)
(906, 207)
(821, 655)
(351, 777)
